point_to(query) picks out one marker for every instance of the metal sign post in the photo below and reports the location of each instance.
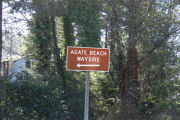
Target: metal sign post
(86, 106)
(87, 59)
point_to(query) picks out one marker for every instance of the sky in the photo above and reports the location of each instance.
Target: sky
(16, 26)
(15, 21)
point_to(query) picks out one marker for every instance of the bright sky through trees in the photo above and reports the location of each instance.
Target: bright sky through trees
(17, 21)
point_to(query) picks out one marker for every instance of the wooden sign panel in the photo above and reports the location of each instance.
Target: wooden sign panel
(87, 59)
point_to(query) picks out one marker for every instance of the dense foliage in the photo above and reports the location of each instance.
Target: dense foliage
(143, 82)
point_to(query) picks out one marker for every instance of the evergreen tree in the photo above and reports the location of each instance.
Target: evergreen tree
(1, 8)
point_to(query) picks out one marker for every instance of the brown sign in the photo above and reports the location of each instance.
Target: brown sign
(87, 59)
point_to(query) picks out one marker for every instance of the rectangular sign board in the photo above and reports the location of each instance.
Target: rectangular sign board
(87, 59)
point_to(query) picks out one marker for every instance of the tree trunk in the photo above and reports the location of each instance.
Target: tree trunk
(130, 96)
(1, 4)
(68, 33)
(56, 52)
(42, 43)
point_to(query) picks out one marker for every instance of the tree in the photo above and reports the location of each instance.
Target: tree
(85, 15)
(126, 22)
(1, 7)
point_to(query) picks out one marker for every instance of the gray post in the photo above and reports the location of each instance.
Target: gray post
(174, 110)
(86, 109)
